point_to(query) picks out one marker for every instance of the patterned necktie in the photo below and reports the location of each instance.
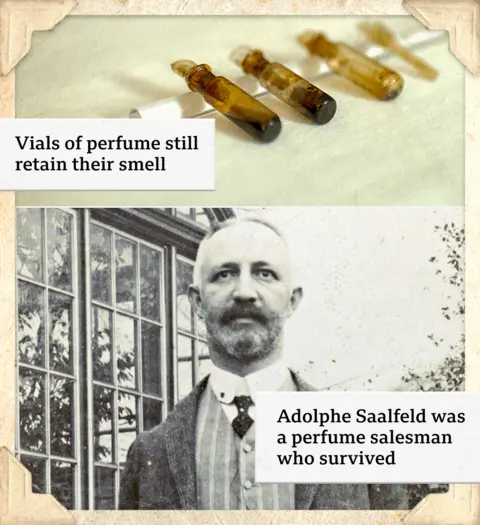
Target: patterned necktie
(242, 421)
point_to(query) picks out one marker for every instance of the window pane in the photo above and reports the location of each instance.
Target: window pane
(126, 343)
(151, 355)
(103, 423)
(150, 283)
(63, 483)
(101, 264)
(102, 344)
(185, 346)
(126, 274)
(61, 332)
(202, 349)
(59, 249)
(29, 243)
(61, 417)
(184, 310)
(202, 218)
(127, 424)
(152, 413)
(204, 368)
(37, 468)
(31, 324)
(32, 410)
(185, 378)
(188, 213)
(104, 488)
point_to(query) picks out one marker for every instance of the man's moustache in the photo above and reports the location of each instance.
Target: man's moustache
(243, 313)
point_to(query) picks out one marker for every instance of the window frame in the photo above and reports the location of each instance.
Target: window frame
(175, 235)
(138, 391)
(191, 335)
(76, 295)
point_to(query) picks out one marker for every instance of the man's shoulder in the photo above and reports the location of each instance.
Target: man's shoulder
(183, 411)
(151, 438)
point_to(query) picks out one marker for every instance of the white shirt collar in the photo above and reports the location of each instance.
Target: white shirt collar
(226, 385)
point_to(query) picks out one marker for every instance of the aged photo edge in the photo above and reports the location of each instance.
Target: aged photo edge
(459, 505)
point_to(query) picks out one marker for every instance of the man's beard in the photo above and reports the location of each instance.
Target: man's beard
(244, 340)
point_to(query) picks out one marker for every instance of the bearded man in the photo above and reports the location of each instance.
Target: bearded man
(203, 455)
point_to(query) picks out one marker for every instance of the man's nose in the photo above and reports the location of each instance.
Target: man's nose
(245, 289)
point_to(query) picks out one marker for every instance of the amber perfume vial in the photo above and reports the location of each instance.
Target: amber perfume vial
(381, 35)
(310, 101)
(237, 105)
(342, 59)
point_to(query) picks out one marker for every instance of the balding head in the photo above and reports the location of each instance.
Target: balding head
(248, 229)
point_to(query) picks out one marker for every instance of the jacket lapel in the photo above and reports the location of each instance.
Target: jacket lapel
(180, 445)
(304, 493)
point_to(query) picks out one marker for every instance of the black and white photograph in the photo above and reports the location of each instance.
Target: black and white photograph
(144, 334)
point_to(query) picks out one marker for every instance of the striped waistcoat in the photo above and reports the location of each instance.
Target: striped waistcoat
(226, 464)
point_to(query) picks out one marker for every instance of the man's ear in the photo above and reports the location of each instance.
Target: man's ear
(195, 299)
(295, 299)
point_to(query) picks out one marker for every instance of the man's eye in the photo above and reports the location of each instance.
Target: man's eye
(223, 275)
(266, 275)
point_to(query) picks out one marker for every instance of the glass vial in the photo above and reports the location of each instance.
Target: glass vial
(237, 105)
(304, 97)
(381, 35)
(369, 74)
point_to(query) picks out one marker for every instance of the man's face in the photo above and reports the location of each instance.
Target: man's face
(245, 290)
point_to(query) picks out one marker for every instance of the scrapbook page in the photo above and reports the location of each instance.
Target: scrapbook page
(209, 208)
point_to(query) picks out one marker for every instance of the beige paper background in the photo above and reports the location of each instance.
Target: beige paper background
(17, 18)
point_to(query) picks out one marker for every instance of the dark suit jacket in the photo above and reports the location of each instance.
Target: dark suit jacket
(160, 470)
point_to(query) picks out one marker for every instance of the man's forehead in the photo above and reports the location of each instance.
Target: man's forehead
(246, 241)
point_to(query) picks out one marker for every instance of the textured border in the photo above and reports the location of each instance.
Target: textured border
(19, 19)
(18, 504)
(461, 18)
(461, 505)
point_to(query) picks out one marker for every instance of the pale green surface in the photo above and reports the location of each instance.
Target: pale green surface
(406, 152)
